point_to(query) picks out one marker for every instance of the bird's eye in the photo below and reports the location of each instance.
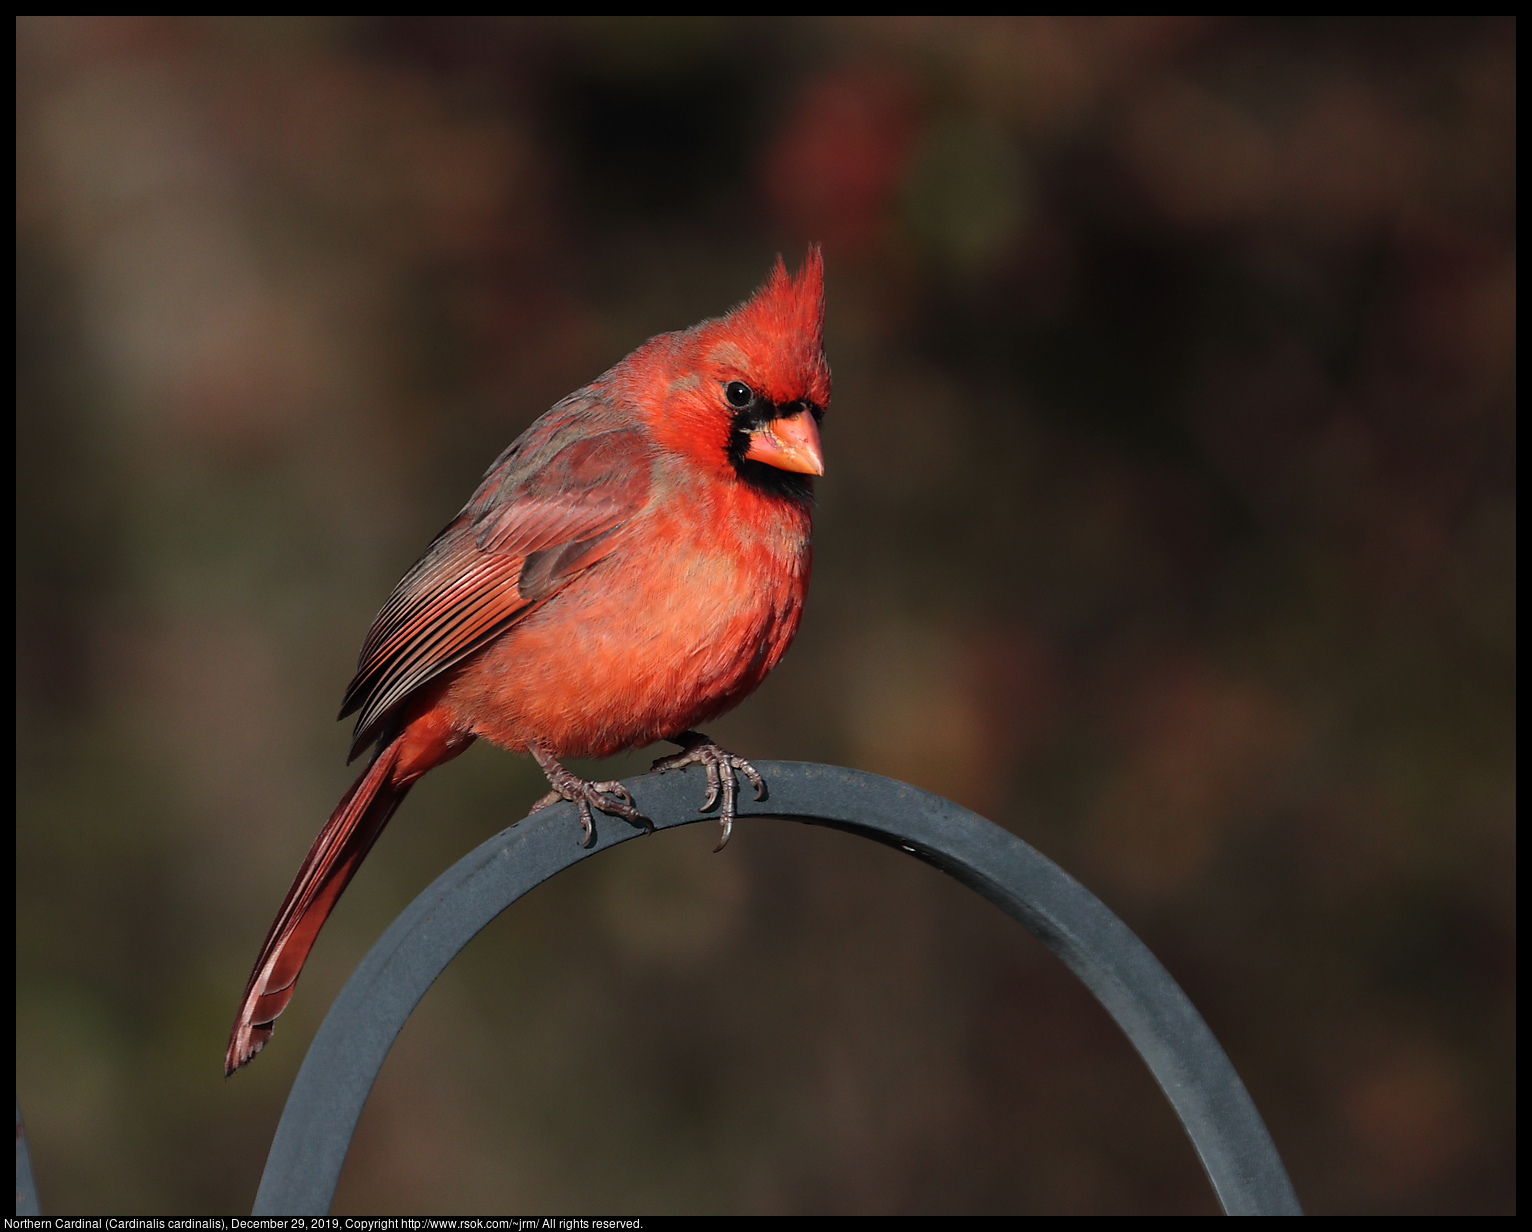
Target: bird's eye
(738, 393)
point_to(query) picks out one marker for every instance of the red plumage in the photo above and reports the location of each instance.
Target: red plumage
(631, 567)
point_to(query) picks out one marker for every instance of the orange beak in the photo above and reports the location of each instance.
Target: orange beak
(789, 444)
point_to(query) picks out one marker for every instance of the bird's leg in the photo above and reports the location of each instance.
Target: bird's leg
(697, 749)
(583, 793)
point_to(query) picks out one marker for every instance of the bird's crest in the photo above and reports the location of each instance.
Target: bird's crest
(781, 330)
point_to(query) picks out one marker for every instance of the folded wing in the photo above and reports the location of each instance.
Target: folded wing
(533, 525)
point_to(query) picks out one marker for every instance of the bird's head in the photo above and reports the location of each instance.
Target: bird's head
(742, 395)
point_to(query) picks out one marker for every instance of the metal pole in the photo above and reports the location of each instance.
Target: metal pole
(26, 1187)
(327, 1097)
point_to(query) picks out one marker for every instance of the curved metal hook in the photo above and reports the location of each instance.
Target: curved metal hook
(348, 1051)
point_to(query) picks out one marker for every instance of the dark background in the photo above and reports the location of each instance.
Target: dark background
(1169, 522)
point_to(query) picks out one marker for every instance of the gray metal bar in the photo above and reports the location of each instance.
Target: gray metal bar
(348, 1050)
(26, 1188)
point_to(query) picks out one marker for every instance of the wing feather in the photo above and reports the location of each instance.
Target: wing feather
(557, 497)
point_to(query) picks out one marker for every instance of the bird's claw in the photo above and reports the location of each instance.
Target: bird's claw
(720, 764)
(584, 794)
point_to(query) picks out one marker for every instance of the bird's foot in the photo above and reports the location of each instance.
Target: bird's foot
(583, 794)
(697, 749)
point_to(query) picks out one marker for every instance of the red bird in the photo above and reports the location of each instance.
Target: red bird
(630, 568)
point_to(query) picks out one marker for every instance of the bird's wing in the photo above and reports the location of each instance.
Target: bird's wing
(530, 528)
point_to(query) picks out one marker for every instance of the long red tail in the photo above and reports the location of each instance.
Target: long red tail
(340, 848)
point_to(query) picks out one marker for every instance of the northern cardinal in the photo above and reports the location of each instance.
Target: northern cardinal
(630, 568)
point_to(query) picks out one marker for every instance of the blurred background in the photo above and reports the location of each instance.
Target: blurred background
(1169, 522)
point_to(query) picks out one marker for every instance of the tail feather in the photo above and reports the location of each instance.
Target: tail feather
(340, 848)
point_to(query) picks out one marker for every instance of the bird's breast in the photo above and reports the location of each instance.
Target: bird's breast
(681, 621)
